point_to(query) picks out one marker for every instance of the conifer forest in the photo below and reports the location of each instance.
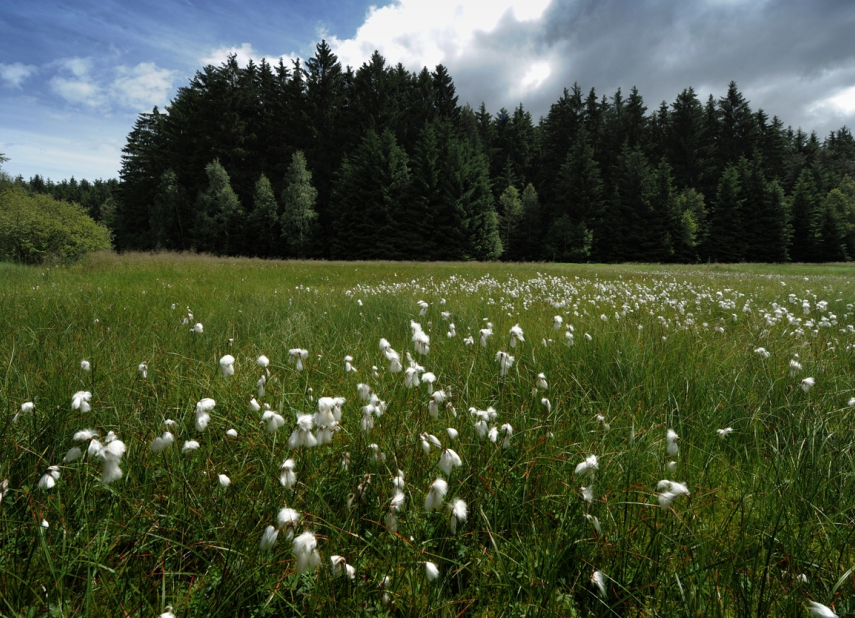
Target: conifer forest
(317, 160)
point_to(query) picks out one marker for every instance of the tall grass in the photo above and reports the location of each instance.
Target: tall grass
(769, 523)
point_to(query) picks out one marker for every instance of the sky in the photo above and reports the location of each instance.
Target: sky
(74, 75)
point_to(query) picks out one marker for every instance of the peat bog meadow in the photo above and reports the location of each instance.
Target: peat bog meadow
(193, 436)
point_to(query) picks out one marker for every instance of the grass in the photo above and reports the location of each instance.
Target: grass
(769, 524)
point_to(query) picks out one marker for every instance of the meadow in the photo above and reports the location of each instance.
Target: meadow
(687, 451)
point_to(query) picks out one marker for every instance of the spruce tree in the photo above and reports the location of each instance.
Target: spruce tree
(298, 209)
(510, 213)
(468, 213)
(725, 242)
(578, 205)
(370, 194)
(219, 215)
(166, 224)
(526, 243)
(807, 214)
(264, 221)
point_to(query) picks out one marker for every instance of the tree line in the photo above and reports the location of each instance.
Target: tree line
(323, 161)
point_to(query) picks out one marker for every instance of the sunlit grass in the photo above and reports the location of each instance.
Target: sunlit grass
(769, 523)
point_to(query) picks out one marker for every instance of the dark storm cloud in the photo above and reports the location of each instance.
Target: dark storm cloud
(786, 56)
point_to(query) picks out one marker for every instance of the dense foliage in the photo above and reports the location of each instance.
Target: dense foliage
(400, 170)
(35, 226)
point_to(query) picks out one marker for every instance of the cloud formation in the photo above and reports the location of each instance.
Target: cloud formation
(15, 73)
(142, 87)
(136, 89)
(794, 59)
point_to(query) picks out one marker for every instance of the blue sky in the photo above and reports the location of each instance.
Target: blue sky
(74, 75)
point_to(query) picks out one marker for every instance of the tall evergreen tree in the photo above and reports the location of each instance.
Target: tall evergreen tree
(299, 217)
(370, 194)
(167, 226)
(526, 243)
(510, 214)
(764, 215)
(726, 241)
(469, 229)
(219, 216)
(807, 219)
(578, 205)
(265, 221)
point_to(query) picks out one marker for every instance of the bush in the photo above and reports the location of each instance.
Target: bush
(36, 227)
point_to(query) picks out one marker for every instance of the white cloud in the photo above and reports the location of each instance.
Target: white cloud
(843, 102)
(15, 73)
(79, 87)
(244, 54)
(142, 87)
(421, 33)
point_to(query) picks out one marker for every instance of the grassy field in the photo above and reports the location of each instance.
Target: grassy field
(768, 524)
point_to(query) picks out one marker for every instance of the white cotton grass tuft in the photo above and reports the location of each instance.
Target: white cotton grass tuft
(80, 401)
(232, 433)
(162, 442)
(341, 567)
(671, 437)
(671, 466)
(588, 494)
(820, 611)
(508, 431)
(288, 519)
(287, 476)
(190, 446)
(262, 361)
(143, 370)
(458, 513)
(305, 549)
(723, 433)
(111, 454)
(807, 384)
(254, 405)
(26, 408)
(449, 460)
(452, 433)
(516, 335)
(588, 467)
(594, 522)
(73, 454)
(302, 435)
(348, 367)
(203, 416)
(599, 580)
(197, 328)
(85, 365)
(795, 367)
(435, 494)
(557, 321)
(762, 352)
(48, 481)
(485, 334)
(224, 480)
(670, 490)
(167, 612)
(227, 365)
(268, 537)
(541, 382)
(298, 355)
(273, 419)
(431, 571)
(505, 361)
(546, 404)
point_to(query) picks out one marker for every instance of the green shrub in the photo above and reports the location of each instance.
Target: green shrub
(36, 227)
